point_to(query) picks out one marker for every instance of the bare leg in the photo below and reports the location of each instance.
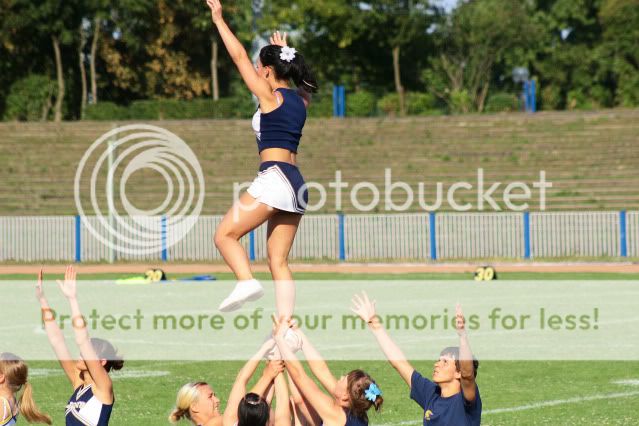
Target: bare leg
(280, 236)
(238, 221)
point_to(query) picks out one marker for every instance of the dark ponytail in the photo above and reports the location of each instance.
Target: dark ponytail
(253, 410)
(296, 70)
(105, 350)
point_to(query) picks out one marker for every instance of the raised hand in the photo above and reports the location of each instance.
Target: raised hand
(274, 368)
(39, 292)
(363, 307)
(216, 10)
(460, 321)
(277, 39)
(280, 327)
(68, 287)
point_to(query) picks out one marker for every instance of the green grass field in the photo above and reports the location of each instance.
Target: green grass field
(550, 393)
(513, 392)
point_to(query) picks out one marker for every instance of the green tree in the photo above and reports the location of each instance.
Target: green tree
(203, 44)
(326, 31)
(29, 99)
(351, 42)
(168, 72)
(478, 36)
(620, 47)
(165, 49)
(97, 12)
(569, 61)
(7, 51)
(401, 23)
(201, 21)
(55, 20)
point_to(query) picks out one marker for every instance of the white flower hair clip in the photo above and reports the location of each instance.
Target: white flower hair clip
(288, 53)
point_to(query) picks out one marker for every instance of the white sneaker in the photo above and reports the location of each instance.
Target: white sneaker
(244, 291)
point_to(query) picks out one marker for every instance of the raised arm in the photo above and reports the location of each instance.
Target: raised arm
(103, 385)
(238, 391)
(363, 307)
(258, 86)
(303, 413)
(316, 362)
(328, 411)
(271, 371)
(56, 338)
(465, 358)
(283, 407)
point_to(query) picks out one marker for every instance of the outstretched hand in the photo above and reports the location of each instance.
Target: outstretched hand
(278, 40)
(68, 286)
(460, 321)
(363, 307)
(39, 292)
(216, 10)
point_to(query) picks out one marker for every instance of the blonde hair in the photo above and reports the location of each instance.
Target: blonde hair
(187, 395)
(16, 371)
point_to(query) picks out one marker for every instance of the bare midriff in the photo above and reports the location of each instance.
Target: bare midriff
(278, 154)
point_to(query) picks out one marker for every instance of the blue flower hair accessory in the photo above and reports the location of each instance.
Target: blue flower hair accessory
(372, 392)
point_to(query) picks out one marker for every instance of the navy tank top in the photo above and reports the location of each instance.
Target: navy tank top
(282, 127)
(85, 409)
(354, 421)
(351, 420)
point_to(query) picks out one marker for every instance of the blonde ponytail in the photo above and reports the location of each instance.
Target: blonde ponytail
(177, 414)
(28, 407)
(16, 373)
(187, 395)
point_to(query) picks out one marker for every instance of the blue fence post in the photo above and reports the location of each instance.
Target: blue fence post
(433, 235)
(78, 239)
(339, 101)
(526, 235)
(342, 238)
(165, 254)
(533, 96)
(623, 229)
(252, 245)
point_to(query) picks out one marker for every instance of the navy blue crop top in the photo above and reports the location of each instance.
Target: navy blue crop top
(282, 127)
